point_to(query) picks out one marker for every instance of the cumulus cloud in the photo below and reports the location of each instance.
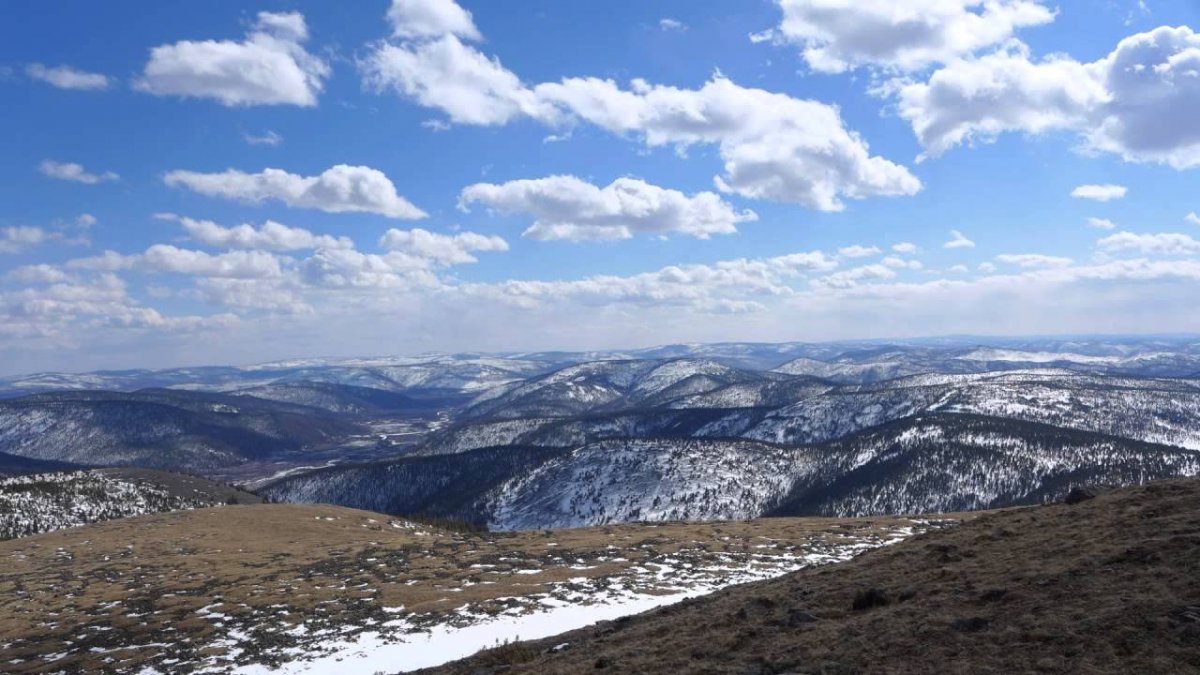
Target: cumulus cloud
(274, 295)
(40, 273)
(66, 77)
(340, 189)
(838, 35)
(773, 146)
(457, 79)
(905, 247)
(958, 240)
(17, 239)
(977, 99)
(566, 207)
(857, 251)
(855, 276)
(351, 269)
(269, 67)
(270, 236)
(1034, 260)
(269, 137)
(668, 24)
(431, 18)
(1136, 102)
(1192, 218)
(896, 262)
(1102, 223)
(62, 308)
(441, 248)
(74, 172)
(723, 286)
(168, 258)
(1165, 244)
(1100, 193)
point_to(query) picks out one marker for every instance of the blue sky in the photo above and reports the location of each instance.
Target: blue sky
(513, 176)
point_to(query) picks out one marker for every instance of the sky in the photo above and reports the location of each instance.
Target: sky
(232, 182)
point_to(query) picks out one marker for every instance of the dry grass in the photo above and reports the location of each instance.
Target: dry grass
(1109, 585)
(94, 592)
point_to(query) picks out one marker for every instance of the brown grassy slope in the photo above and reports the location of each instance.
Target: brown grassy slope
(97, 592)
(1110, 585)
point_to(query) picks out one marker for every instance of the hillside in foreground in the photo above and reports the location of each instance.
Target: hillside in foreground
(1107, 585)
(328, 589)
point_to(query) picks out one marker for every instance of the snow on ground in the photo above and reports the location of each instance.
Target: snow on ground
(408, 643)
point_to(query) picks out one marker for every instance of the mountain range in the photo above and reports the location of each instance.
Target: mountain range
(682, 432)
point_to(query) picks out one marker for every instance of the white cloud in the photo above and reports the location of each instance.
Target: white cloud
(167, 258)
(270, 138)
(1102, 223)
(855, 276)
(340, 189)
(773, 146)
(1100, 193)
(1137, 102)
(452, 77)
(66, 77)
(1192, 218)
(837, 35)
(270, 67)
(565, 207)
(958, 269)
(896, 262)
(74, 172)
(351, 269)
(958, 240)
(17, 239)
(1034, 260)
(23, 237)
(669, 24)
(975, 100)
(1166, 244)
(66, 312)
(905, 247)
(444, 249)
(431, 18)
(987, 267)
(857, 251)
(40, 273)
(278, 296)
(720, 286)
(270, 236)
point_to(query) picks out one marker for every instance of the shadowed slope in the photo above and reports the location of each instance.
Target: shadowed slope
(1109, 585)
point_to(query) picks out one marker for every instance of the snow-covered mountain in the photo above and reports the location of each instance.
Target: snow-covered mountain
(610, 385)
(683, 431)
(35, 503)
(928, 463)
(336, 398)
(1154, 410)
(160, 428)
(801, 411)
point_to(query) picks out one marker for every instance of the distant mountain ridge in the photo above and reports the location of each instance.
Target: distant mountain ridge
(728, 430)
(922, 464)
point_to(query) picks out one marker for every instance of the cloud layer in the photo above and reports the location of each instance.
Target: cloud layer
(566, 207)
(339, 189)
